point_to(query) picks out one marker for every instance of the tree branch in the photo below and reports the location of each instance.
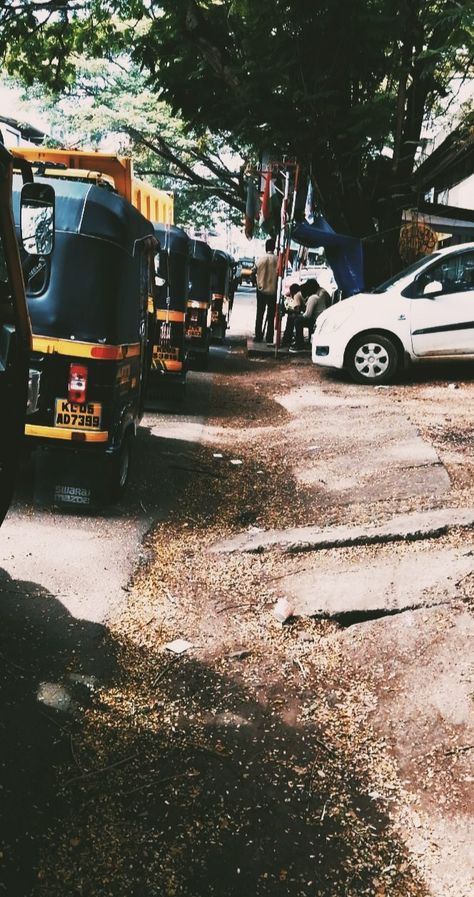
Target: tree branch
(162, 149)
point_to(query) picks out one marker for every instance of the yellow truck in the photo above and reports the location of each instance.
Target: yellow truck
(108, 170)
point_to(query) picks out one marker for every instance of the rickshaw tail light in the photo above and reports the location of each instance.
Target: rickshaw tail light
(77, 384)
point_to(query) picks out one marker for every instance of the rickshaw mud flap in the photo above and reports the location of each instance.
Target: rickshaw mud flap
(80, 349)
(69, 478)
(172, 376)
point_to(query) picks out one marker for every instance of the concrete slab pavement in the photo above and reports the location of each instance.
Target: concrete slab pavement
(404, 527)
(384, 587)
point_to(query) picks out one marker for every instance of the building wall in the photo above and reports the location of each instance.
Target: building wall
(461, 195)
(13, 136)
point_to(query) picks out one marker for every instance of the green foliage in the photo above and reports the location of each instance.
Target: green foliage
(110, 106)
(40, 41)
(334, 83)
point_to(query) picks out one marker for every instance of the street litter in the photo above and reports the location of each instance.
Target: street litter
(453, 386)
(283, 610)
(236, 461)
(179, 646)
(239, 655)
(217, 455)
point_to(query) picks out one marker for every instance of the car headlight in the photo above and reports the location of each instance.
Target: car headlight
(331, 322)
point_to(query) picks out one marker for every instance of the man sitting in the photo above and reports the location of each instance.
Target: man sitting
(316, 300)
(294, 305)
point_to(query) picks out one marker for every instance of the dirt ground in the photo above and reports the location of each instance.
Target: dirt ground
(309, 758)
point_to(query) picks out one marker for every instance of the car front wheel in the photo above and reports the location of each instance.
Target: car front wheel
(372, 358)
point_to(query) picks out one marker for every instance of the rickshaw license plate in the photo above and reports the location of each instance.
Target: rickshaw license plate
(86, 416)
(170, 354)
(193, 331)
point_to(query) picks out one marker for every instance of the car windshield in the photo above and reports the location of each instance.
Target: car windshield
(406, 273)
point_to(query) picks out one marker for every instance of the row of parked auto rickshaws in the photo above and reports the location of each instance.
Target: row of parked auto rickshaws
(118, 302)
(194, 302)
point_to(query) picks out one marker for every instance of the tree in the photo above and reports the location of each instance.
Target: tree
(344, 85)
(112, 102)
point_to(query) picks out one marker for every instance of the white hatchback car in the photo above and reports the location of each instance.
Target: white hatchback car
(425, 313)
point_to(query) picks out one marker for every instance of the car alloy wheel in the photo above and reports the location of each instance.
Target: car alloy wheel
(372, 359)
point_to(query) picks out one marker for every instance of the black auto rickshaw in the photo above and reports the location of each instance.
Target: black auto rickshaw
(169, 350)
(89, 307)
(37, 236)
(199, 298)
(222, 293)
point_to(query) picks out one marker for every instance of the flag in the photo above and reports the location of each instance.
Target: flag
(309, 204)
(251, 208)
(271, 206)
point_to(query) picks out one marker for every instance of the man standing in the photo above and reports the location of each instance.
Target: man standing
(266, 276)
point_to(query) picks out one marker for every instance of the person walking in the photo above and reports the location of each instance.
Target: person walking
(266, 280)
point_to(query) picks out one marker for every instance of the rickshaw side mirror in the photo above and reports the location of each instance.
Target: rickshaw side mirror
(160, 281)
(37, 218)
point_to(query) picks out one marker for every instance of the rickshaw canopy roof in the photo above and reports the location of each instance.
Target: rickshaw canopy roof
(89, 210)
(172, 238)
(220, 258)
(201, 251)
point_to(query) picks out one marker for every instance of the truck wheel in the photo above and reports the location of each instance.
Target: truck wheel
(372, 358)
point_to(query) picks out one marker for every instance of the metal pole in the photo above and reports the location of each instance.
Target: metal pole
(281, 259)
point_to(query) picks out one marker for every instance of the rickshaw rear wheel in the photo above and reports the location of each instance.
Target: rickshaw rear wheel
(119, 468)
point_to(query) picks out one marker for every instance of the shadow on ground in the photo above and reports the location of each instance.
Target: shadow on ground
(429, 374)
(50, 666)
(168, 777)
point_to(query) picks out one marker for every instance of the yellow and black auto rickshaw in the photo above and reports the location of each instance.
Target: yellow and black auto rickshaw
(37, 238)
(89, 306)
(199, 298)
(222, 292)
(169, 349)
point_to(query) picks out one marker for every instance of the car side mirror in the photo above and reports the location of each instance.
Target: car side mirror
(37, 218)
(433, 289)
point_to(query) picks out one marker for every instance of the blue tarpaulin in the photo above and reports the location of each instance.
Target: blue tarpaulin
(344, 254)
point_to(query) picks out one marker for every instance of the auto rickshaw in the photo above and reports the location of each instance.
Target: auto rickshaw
(37, 209)
(221, 293)
(169, 350)
(197, 315)
(246, 275)
(89, 307)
